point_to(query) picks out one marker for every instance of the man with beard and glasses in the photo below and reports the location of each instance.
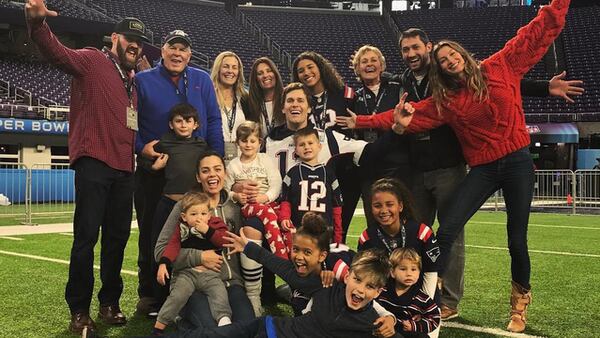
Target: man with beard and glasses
(102, 121)
(170, 83)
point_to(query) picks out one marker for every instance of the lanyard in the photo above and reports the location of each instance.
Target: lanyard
(320, 116)
(126, 83)
(419, 98)
(379, 98)
(265, 114)
(185, 86)
(391, 244)
(231, 116)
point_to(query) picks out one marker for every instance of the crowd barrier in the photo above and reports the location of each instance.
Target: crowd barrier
(42, 190)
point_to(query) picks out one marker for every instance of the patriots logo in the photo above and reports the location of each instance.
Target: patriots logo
(433, 254)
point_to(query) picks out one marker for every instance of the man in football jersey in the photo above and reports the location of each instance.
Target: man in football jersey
(280, 145)
(311, 186)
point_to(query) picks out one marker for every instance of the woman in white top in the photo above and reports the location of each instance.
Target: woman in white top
(227, 76)
(264, 100)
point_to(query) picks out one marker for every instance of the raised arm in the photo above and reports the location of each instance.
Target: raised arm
(74, 62)
(530, 44)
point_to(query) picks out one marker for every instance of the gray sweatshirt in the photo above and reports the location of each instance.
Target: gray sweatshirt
(229, 212)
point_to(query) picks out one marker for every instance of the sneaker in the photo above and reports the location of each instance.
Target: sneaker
(448, 313)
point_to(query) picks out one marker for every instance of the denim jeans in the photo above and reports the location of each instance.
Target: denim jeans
(432, 191)
(515, 176)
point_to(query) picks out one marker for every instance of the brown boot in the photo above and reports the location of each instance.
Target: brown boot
(519, 300)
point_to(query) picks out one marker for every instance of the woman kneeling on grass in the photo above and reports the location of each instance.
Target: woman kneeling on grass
(482, 103)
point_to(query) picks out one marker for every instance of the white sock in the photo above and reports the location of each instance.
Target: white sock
(224, 321)
(252, 272)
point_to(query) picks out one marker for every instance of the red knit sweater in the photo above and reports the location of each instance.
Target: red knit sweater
(494, 128)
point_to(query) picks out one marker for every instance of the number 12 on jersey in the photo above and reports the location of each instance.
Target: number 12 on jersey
(311, 197)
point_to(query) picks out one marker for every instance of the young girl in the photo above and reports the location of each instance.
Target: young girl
(397, 227)
(252, 165)
(227, 75)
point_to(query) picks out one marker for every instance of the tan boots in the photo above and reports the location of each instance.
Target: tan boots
(519, 300)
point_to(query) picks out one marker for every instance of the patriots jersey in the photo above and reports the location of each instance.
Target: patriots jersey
(309, 188)
(419, 237)
(280, 146)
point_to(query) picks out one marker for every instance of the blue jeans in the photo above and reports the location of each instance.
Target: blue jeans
(197, 312)
(515, 176)
(432, 191)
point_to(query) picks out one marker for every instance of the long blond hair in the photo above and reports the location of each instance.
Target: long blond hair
(442, 84)
(238, 87)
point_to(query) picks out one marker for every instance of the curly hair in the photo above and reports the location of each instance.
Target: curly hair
(256, 97)
(315, 227)
(398, 189)
(332, 81)
(442, 84)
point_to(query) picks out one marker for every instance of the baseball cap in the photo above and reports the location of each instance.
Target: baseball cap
(178, 35)
(132, 27)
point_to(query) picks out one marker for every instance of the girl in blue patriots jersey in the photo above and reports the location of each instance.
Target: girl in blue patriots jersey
(397, 227)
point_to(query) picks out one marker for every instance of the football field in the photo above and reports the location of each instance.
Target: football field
(564, 249)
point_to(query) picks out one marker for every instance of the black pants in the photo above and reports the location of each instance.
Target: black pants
(148, 190)
(103, 197)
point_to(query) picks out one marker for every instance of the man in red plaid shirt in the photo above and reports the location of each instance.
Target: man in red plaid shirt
(102, 122)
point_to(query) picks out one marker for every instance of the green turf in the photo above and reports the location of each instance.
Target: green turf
(564, 287)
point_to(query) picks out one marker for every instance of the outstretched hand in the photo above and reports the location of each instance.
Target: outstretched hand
(347, 122)
(37, 10)
(403, 114)
(565, 88)
(236, 243)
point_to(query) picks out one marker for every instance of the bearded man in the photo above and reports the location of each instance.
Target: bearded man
(103, 122)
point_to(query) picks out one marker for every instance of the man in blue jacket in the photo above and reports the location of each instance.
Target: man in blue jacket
(171, 82)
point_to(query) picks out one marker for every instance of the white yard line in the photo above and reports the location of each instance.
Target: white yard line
(540, 225)
(561, 253)
(489, 330)
(12, 238)
(54, 260)
(66, 233)
(455, 325)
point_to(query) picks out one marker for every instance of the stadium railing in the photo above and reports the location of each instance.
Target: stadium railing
(45, 190)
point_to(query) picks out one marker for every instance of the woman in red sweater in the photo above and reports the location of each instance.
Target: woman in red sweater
(482, 103)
